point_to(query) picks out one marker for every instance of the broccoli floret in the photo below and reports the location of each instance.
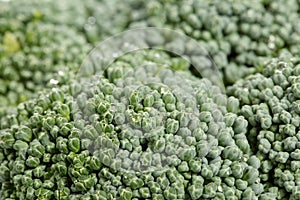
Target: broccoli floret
(149, 125)
(238, 35)
(139, 130)
(269, 101)
(37, 49)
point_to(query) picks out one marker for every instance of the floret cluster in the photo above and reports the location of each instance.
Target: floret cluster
(150, 124)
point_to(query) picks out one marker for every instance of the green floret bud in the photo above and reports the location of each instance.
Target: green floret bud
(232, 153)
(199, 134)
(288, 129)
(241, 184)
(206, 172)
(146, 159)
(295, 192)
(296, 90)
(233, 105)
(290, 143)
(295, 165)
(48, 184)
(266, 122)
(187, 153)
(145, 192)
(36, 149)
(62, 145)
(78, 187)
(215, 151)
(296, 106)
(254, 162)
(170, 193)
(48, 123)
(32, 161)
(246, 111)
(184, 119)
(63, 109)
(242, 143)
(240, 125)
(39, 171)
(148, 101)
(158, 197)
(249, 194)
(257, 188)
(95, 163)
(172, 126)
(205, 116)
(169, 98)
(202, 148)
(74, 144)
(26, 180)
(7, 140)
(237, 169)
(30, 193)
(21, 148)
(210, 190)
(195, 166)
(19, 166)
(229, 119)
(230, 181)
(61, 168)
(57, 95)
(264, 145)
(126, 194)
(163, 182)
(295, 154)
(225, 138)
(24, 133)
(154, 187)
(251, 175)
(282, 157)
(4, 173)
(183, 167)
(195, 191)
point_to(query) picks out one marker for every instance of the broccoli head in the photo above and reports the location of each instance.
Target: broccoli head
(140, 130)
(270, 102)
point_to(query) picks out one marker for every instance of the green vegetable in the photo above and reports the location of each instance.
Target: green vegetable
(113, 146)
(273, 121)
(149, 125)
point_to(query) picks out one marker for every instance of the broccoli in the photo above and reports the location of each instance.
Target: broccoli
(270, 103)
(95, 19)
(149, 126)
(238, 34)
(41, 42)
(35, 51)
(141, 130)
(38, 55)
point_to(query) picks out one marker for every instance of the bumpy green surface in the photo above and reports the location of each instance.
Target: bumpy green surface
(140, 130)
(36, 47)
(147, 128)
(270, 103)
(44, 40)
(238, 34)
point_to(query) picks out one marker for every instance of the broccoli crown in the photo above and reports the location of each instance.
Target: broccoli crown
(35, 50)
(149, 126)
(270, 102)
(93, 18)
(42, 52)
(238, 35)
(139, 131)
